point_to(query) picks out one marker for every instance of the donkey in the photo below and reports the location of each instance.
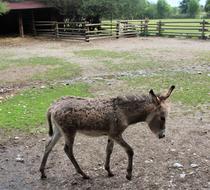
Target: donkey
(110, 117)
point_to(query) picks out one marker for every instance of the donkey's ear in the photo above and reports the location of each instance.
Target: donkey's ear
(154, 97)
(164, 97)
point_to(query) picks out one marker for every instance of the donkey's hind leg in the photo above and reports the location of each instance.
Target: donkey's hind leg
(109, 149)
(56, 136)
(68, 148)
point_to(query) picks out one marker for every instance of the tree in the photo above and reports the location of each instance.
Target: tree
(163, 9)
(207, 6)
(95, 8)
(193, 8)
(3, 8)
(129, 9)
(69, 8)
(183, 6)
(151, 10)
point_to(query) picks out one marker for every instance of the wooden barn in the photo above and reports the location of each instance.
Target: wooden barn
(20, 19)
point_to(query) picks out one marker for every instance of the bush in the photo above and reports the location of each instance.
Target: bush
(3, 8)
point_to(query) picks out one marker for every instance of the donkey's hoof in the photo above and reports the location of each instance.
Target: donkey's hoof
(110, 174)
(128, 177)
(43, 176)
(85, 177)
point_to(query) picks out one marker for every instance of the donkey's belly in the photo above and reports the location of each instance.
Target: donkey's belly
(93, 133)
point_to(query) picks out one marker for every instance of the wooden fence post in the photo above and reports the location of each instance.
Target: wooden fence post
(20, 22)
(203, 30)
(87, 39)
(117, 29)
(159, 28)
(146, 27)
(56, 30)
(33, 24)
(141, 28)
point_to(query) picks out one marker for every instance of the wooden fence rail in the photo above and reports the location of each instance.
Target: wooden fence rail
(123, 28)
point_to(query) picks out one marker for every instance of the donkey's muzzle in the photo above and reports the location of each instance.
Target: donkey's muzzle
(162, 135)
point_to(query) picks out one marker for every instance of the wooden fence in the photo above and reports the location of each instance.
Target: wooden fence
(75, 30)
(124, 28)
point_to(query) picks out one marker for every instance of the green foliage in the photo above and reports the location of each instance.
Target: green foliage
(207, 6)
(130, 9)
(189, 8)
(163, 9)
(80, 9)
(184, 6)
(94, 10)
(27, 110)
(151, 10)
(193, 8)
(3, 8)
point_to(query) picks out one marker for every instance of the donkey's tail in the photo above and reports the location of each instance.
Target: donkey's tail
(49, 123)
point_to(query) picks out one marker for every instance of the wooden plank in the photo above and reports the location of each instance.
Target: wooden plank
(181, 28)
(71, 23)
(33, 23)
(49, 24)
(97, 24)
(181, 33)
(45, 30)
(186, 26)
(99, 35)
(183, 22)
(20, 21)
(74, 29)
(70, 33)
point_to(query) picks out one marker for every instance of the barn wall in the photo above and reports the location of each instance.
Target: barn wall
(9, 22)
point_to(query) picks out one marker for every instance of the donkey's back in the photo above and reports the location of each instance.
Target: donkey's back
(90, 116)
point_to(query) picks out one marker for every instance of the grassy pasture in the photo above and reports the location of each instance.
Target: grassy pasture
(192, 88)
(26, 109)
(49, 68)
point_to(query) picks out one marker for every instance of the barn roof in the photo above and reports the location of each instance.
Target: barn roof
(27, 5)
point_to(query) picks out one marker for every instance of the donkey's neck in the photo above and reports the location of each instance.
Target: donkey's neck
(135, 108)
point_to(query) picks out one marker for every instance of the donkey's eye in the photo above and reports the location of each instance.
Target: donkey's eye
(162, 118)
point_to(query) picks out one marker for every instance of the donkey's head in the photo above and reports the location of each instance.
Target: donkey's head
(158, 113)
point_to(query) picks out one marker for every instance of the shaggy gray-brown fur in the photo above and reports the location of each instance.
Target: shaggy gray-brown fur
(99, 116)
(96, 117)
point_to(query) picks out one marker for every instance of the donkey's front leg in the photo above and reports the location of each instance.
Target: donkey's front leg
(129, 152)
(109, 149)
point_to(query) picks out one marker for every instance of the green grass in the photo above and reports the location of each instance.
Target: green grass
(65, 71)
(131, 65)
(9, 61)
(27, 110)
(60, 69)
(99, 53)
(191, 89)
(119, 61)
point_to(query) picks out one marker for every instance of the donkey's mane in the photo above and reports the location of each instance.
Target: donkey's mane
(133, 99)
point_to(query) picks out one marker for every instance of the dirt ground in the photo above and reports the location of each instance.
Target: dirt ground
(187, 139)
